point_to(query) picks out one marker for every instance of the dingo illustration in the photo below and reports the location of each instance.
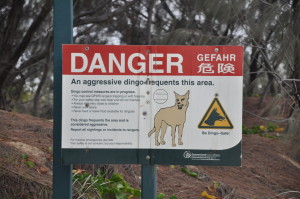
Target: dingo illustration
(213, 117)
(173, 116)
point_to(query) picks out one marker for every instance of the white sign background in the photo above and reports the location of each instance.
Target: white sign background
(80, 111)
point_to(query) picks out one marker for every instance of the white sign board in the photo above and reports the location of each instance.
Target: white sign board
(152, 97)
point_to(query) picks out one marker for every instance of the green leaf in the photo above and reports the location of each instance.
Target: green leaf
(120, 186)
(29, 164)
(137, 193)
(116, 177)
(256, 129)
(271, 127)
(121, 195)
(185, 170)
(193, 174)
(246, 130)
(161, 196)
(128, 189)
(216, 184)
(173, 197)
(24, 156)
(190, 173)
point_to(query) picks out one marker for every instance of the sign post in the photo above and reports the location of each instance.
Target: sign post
(149, 181)
(63, 34)
(143, 105)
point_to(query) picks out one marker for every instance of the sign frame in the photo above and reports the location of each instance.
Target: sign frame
(156, 156)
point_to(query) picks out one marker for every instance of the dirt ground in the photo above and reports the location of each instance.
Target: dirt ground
(267, 170)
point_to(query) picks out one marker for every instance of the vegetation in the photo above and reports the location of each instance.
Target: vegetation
(87, 186)
(190, 173)
(263, 130)
(268, 30)
(256, 129)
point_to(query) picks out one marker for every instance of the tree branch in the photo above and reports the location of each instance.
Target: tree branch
(149, 20)
(14, 17)
(91, 12)
(103, 18)
(34, 26)
(30, 62)
(166, 8)
(37, 95)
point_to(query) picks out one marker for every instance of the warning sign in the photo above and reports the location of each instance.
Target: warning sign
(215, 117)
(152, 103)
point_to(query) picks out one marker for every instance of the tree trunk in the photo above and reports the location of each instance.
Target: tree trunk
(296, 27)
(149, 21)
(37, 95)
(253, 67)
(10, 54)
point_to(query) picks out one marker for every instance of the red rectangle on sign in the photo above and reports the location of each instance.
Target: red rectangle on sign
(152, 60)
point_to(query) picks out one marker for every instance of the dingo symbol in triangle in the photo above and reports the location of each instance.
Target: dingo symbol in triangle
(215, 117)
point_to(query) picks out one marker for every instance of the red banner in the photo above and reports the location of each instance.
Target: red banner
(152, 60)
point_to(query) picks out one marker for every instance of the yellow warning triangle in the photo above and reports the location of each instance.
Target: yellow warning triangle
(215, 117)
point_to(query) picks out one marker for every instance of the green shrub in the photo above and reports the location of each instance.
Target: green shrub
(29, 163)
(256, 129)
(246, 130)
(271, 127)
(161, 196)
(88, 187)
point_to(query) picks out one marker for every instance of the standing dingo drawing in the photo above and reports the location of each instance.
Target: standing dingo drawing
(173, 116)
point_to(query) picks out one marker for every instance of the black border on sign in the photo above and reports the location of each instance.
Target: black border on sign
(228, 157)
(206, 113)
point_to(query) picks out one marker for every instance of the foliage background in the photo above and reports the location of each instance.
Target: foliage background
(268, 30)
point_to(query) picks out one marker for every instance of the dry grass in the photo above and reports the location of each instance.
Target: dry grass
(14, 185)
